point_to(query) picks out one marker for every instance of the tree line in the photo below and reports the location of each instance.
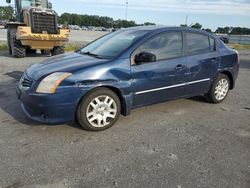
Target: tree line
(223, 30)
(233, 30)
(7, 13)
(96, 21)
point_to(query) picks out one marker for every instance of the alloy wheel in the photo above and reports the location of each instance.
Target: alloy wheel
(101, 111)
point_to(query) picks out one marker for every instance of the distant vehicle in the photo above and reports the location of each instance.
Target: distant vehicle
(74, 27)
(225, 39)
(90, 28)
(35, 29)
(127, 69)
(84, 28)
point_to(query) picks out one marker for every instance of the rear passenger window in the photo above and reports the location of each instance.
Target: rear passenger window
(197, 43)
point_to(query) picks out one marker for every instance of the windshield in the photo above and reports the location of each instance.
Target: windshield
(29, 3)
(112, 44)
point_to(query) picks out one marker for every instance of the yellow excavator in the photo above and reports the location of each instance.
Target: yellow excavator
(35, 28)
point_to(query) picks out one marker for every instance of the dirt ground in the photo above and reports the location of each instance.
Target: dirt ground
(184, 143)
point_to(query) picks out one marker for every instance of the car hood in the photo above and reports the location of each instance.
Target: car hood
(62, 63)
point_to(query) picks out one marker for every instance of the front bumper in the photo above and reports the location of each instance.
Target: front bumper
(51, 108)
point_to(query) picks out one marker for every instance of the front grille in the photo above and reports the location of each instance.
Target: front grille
(26, 82)
(43, 22)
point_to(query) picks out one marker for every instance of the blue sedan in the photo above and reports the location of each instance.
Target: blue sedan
(127, 69)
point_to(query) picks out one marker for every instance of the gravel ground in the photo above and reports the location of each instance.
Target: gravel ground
(184, 143)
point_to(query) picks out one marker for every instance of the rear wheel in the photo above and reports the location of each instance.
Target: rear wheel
(8, 40)
(220, 89)
(98, 110)
(57, 50)
(17, 49)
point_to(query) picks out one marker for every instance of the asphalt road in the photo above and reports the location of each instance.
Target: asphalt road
(184, 143)
(75, 36)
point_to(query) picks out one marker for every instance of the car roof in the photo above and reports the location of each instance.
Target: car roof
(157, 28)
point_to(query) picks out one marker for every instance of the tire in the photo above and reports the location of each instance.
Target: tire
(57, 50)
(219, 89)
(92, 114)
(17, 49)
(8, 40)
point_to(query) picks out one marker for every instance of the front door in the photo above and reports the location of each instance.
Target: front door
(163, 79)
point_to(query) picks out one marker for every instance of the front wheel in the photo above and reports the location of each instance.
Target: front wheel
(220, 89)
(17, 49)
(98, 110)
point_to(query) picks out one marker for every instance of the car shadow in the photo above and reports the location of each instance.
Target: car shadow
(14, 74)
(10, 104)
(6, 54)
(199, 99)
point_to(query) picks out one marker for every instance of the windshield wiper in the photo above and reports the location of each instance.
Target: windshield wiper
(91, 54)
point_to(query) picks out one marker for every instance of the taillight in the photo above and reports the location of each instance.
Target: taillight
(238, 57)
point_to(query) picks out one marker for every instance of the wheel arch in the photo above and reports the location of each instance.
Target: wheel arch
(117, 91)
(230, 76)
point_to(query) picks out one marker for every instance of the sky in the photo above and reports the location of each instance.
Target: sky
(209, 13)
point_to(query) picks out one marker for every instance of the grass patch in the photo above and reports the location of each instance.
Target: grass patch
(69, 47)
(3, 46)
(73, 46)
(239, 46)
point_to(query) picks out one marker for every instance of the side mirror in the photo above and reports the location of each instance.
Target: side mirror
(8, 1)
(145, 57)
(50, 5)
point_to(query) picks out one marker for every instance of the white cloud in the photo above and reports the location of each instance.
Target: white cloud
(230, 7)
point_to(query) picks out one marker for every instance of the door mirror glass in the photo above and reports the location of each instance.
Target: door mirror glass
(8, 1)
(145, 57)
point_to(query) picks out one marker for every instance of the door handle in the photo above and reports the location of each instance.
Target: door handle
(179, 67)
(214, 60)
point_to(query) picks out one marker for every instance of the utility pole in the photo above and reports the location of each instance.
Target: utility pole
(126, 13)
(186, 20)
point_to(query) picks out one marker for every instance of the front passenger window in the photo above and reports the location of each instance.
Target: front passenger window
(163, 46)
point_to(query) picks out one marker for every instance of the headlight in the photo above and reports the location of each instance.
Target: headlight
(50, 83)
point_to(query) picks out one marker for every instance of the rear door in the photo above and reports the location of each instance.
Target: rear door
(203, 61)
(161, 80)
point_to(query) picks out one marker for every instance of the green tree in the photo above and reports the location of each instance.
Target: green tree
(197, 26)
(240, 31)
(6, 13)
(224, 30)
(183, 25)
(97, 21)
(207, 30)
(149, 23)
